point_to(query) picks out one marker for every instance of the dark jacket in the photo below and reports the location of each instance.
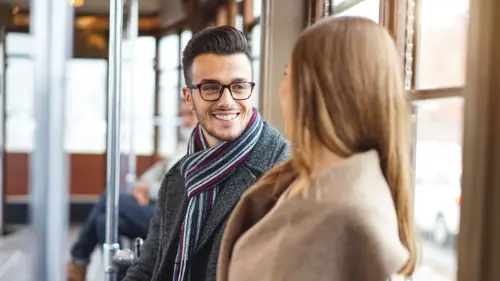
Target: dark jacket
(158, 255)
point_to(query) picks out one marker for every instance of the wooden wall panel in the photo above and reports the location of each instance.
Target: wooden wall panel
(87, 173)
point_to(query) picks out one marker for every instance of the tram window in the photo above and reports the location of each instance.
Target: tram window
(169, 52)
(185, 37)
(169, 82)
(239, 22)
(438, 188)
(256, 79)
(139, 108)
(20, 124)
(141, 111)
(19, 44)
(442, 43)
(256, 40)
(170, 62)
(257, 8)
(145, 48)
(169, 104)
(367, 8)
(86, 106)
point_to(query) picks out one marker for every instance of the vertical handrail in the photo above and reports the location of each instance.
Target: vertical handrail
(111, 246)
(132, 35)
(52, 27)
(2, 131)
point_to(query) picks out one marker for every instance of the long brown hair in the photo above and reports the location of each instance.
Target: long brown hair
(348, 96)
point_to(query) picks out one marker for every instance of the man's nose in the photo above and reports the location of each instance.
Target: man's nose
(226, 98)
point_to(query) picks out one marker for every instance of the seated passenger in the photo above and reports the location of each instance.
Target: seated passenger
(135, 209)
(341, 208)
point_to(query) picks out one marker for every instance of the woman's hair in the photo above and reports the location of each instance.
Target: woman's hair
(348, 96)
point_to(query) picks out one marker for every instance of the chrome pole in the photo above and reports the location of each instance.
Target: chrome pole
(2, 132)
(111, 246)
(52, 27)
(132, 35)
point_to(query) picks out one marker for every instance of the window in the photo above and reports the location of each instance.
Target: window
(86, 106)
(170, 61)
(19, 91)
(255, 49)
(364, 8)
(239, 22)
(440, 64)
(185, 37)
(138, 103)
(20, 123)
(257, 8)
(442, 43)
(19, 44)
(438, 173)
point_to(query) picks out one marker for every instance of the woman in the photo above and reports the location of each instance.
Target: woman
(341, 207)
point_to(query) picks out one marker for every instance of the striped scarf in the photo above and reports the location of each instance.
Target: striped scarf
(203, 169)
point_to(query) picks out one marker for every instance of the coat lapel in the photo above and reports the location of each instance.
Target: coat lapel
(230, 194)
(175, 207)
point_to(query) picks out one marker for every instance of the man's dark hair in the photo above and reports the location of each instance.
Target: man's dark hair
(223, 40)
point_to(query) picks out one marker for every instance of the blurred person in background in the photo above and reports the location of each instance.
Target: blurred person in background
(135, 209)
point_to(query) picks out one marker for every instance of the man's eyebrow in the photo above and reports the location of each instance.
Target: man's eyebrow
(239, 80)
(209, 81)
(234, 80)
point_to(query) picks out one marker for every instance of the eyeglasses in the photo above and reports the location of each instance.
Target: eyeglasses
(213, 91)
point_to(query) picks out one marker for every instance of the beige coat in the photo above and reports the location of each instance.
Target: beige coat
(345, 231)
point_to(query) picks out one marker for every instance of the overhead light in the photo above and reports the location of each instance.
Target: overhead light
(77, 3)
(15, 10)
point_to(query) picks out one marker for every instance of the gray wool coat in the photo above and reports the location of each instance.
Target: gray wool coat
(160, 248)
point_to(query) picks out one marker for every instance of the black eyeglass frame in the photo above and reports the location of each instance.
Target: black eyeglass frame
(224, 86)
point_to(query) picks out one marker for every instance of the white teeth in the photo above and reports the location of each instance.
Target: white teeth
(225, 117)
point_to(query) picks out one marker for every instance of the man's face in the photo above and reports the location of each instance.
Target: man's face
(226, 118)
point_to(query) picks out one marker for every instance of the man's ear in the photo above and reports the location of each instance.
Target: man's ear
(188, 97)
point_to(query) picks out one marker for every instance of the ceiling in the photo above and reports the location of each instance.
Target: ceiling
(91, 6)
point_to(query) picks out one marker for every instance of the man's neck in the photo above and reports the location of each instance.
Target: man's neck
(211, 141)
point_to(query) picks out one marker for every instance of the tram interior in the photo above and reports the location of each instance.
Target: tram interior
(151, 107)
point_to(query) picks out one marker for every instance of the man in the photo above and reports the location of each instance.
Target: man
(231, 147)
(135, 209)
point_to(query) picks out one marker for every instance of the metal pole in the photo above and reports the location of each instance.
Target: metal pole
(113, 139)
(52, 27)
(2, 132)
(132, 34)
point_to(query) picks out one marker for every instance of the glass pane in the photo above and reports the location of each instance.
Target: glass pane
(86, 106)
(169, 52)
(367, 8)
(20, 123)
(256, 79)
(442, 43)
(138, 105)
(185, 37)
(19, 44)
(168, 136)
(169, 108)
(239, 22)
(438, 173)
(256, 40)
(142, 135)
(169, 80)
(257, 8)
(143, 86)
(145, 48)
